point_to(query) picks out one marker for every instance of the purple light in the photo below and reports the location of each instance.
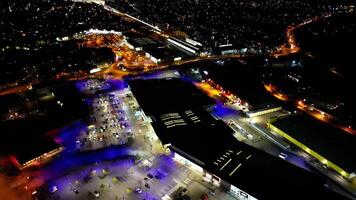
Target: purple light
(151, 75)
(80, 85)
(68, 162)
(117, 84)
(81, 173)
(67, 135)
(222, 111)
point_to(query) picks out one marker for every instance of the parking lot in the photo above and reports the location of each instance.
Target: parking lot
(113, 120)
(121, 179)
(149, 173)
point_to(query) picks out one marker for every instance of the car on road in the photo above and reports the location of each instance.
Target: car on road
(158, 176)
(138, 190)
(150, 176)
(96, 194)
(53, 189)
(283, 155)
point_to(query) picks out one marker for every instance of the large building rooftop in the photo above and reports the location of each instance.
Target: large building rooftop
(156, 47)
(25, 140)
(244, 81)
(192, 132)
(157, 96)
(332, 143)
(139, 40)
(210, 143)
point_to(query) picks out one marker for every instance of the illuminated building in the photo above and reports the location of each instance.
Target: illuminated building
(330, 146)
(207, 146)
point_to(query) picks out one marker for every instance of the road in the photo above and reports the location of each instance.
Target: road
(292, 44)
(303, 106)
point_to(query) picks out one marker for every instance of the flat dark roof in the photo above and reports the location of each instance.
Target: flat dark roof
(157, 96)
(210, 144)
(244, 81)
(139, 40)
(25, 139)
(158, 49)
(330, 142)
(164, 53)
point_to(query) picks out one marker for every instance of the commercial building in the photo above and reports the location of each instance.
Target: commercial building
(157, 96)
(156, 50)
(207, 146)
(331, 146)
(26, 144)
(28, 139)
(245, 82)
(230, 49)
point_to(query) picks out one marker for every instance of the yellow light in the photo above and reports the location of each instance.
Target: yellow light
(311, 152)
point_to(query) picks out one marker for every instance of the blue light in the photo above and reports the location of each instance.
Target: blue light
(67, 135)
(222, 111)
(117, 84)
(67, 162)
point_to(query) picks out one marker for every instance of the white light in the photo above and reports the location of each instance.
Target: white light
(95, 70)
